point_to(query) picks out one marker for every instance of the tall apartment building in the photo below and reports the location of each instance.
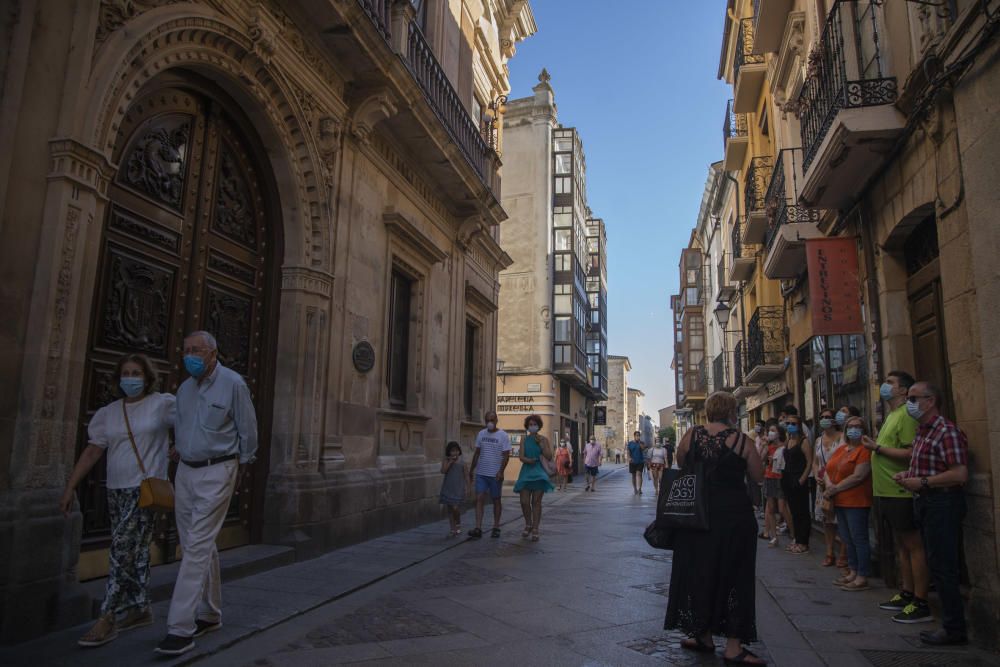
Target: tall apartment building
(553, 333)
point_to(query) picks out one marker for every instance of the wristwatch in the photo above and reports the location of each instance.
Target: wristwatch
(878, 448)
(923, 484)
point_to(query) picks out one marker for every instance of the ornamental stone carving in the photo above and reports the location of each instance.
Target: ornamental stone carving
(113, 14)
(371, 110)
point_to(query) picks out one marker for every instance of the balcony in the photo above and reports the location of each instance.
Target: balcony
(789, 224)
(765, 345)
(848, 119)
(748, 68)
(696, 383)
(769, 24)
(744, 258)
(741, 388)
(736, 137)
(754, 197)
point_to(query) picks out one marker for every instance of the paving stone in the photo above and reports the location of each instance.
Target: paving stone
(458, 574)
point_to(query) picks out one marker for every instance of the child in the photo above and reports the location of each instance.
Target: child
(453, 486)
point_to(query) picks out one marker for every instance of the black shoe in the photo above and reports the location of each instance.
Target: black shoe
(914, 613)
(204, 627)
(897, 602)
(174, 645)
(942, 638)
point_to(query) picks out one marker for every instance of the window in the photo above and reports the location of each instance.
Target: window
(563, 262)
(564, 163)
(564, 398)
(563, 185)
(563, 144)
(562, 329)
(562, 354)
(471, 333)
(562, 304)
(400, 294)
(564, 239)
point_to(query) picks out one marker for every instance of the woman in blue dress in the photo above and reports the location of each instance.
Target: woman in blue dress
(533, 481)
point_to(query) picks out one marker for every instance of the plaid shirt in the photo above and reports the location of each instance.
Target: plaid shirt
(938, 446)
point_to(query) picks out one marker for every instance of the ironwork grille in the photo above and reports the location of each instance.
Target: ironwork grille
(781, 201)
(735, 124)
(744, 46)
(719, 372)
(736, 240)
(766, 337)
(755, 186)
(738, 364)
(845, 71)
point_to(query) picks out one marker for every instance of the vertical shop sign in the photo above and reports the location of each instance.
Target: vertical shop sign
(834, 287)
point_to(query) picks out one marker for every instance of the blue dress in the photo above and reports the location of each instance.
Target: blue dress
(533, 477)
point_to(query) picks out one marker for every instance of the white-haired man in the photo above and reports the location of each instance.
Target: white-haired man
(216, 439)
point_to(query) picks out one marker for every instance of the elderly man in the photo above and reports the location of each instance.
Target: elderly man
(216, 434)
(936, 475)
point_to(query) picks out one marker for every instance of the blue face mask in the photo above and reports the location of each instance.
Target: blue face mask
(792, 429)
(885, 391)
(825, 423)
(854, 434)
(841, 418)
(132, 387)
(194, 365)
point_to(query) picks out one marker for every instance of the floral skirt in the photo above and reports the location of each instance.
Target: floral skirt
(128, 567)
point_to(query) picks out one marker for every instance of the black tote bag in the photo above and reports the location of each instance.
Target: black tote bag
(682, 504)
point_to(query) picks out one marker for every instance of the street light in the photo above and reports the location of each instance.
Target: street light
(722, 315)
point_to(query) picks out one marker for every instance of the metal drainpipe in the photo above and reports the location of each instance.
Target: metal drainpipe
(743, 314)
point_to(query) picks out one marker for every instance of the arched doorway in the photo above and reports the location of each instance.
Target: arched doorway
(190, 241)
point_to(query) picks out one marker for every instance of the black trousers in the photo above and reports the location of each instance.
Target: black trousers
(939, 516)
(797, 497)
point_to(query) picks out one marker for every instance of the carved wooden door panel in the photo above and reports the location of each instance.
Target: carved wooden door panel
(185, 246)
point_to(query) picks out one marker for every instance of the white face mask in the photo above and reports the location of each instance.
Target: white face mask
(772, 436)
(491, 426)
(533, 428)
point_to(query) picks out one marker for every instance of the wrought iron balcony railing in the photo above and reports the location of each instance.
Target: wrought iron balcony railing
(380, 14)
(719, 372)
(738, 364)
(781, 201)
(744, 47)
(735, 124)
(755, 186)
(845, 71)
(736, 239)
(766, 337)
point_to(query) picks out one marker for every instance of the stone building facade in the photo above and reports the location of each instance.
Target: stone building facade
(632, 419)
(311, 181)
(613, 434)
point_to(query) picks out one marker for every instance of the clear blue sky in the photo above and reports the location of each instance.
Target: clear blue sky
(637, 78)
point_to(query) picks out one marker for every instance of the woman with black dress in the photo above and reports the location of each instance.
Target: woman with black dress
(795, 484)
(712, 582)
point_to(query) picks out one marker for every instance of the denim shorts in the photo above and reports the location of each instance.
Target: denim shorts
(488, 484)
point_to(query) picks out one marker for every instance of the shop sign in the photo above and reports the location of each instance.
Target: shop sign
(834, 287)
(600, 415)
(515, 404)
(766, 394)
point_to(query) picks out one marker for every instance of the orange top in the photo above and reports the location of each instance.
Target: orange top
(769, 471)
(840, 467)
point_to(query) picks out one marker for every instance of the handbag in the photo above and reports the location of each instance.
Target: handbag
(154, 493)
(659, 537)
(684, 505)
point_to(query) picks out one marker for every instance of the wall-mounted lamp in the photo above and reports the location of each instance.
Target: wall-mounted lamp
(721, 313)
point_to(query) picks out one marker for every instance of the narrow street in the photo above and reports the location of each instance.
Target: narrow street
(590, 592)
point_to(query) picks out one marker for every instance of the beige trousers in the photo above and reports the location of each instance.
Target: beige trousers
(201, 498)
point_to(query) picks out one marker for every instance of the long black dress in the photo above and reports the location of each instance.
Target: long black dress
(712, 583)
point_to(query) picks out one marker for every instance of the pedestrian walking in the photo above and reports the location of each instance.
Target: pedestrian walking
(488, 465)
(143, 417)
(713, 577)
(564, 464)
(216, 438)
(618, 455)
(848, 484)
(798, 457)
(774, 498)
(670, 447)
(636, 462)
(937, 473)
(657, 462)
(827, 442)
(533, 481)
(591, 463)
(453, 486)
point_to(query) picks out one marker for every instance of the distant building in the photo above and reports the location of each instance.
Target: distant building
(634, 411)
(666, 416)
(615, 433)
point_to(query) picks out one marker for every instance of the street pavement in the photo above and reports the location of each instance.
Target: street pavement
(590, 592)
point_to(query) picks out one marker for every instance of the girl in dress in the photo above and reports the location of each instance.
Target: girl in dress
(533, 480)
(564, 465)
(453, 486)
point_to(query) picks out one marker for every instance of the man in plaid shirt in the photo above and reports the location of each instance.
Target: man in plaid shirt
(938, 470)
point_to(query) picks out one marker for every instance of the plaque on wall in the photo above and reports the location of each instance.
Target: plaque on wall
(363, 356)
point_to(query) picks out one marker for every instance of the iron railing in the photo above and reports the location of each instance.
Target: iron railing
(379, 11)
(738, 364)
(755, 185)
(744, 47)
(845, 71)
(719, 372)
(782, 199)
(736, 239)
(735, 124)
(766, 337)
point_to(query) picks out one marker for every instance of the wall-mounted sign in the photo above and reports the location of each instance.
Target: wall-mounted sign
(600, 415)
(834, 286)
(363, 356)
(766, 394)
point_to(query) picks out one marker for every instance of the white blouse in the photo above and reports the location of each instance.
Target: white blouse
(151, 420)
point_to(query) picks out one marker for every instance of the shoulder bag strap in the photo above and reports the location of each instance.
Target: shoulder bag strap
(131, 439)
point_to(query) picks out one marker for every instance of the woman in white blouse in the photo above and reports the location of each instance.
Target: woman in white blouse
(150, 416)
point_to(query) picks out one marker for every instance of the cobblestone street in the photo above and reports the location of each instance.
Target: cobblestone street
(590, 592)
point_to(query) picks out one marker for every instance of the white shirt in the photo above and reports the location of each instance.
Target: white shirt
(151, 419)
(491, 448)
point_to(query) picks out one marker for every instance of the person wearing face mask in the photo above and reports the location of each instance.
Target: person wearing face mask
(564, 464)
(149, 417)
(216, 431)
(488, 465)
(938, 471)
(827, 442)
(775, 436)
(848, 484)
(798, 457)
(894, 504)
(533, 481)
(846, 413)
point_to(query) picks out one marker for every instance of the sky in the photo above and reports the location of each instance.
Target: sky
(637, 78)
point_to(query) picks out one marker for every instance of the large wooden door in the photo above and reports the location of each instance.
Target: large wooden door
(186, 245)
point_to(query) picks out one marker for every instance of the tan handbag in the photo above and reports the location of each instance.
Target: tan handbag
(154, 493)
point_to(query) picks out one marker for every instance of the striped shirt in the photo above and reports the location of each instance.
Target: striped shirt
(492, 447)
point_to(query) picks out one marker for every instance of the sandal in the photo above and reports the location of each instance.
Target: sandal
(841, 562)
(475, 533)
(694, 644)
(495, 532)
(526, 532)
(853, 586)
(828, 561)
(741, 658)
(773, 542)
(534, 536)
(764, 536)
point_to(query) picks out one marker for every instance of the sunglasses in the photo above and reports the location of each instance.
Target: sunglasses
(914, 399)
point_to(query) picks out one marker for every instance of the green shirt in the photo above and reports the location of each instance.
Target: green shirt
(897, 432)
